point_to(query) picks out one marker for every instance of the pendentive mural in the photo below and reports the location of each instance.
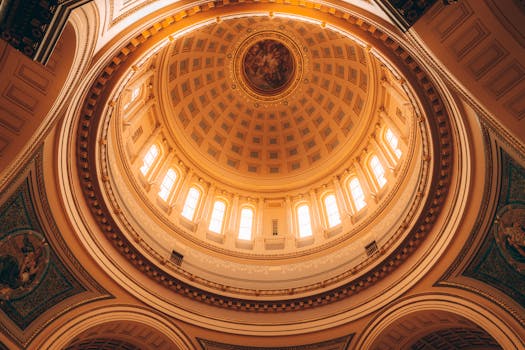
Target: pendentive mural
(24, 257)
(32, 277)
(500, 262)
(37, 284)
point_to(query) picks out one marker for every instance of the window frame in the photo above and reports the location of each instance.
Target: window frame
(154, 163)
(132, 97)
(327, 213)
(171, 189)
(298, 220)
(240, 226)
(353, 199)
(395, 152)
(197, 203)
(222, 219)
(379, 181)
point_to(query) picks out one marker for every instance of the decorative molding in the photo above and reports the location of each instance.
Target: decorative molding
(342, 343)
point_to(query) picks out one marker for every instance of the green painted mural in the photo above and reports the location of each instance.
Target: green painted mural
(501, 260)
(24, 297)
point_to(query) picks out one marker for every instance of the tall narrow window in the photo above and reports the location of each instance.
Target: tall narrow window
(149, 159)
(190, 205)
(245, 226)
(134, 94)
(378, 170)
(332, 212)
(167, 184)
(217, 217)
(303, 218)
(357, 193)
(392, 141)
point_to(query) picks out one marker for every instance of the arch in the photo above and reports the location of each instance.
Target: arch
(482, 317)
(67, 332)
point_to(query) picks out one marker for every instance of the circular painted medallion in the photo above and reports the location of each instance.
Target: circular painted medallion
(268, 66)
(24, 257)
(510, 235)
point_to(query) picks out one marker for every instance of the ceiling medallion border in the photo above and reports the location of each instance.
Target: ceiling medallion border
(237, 71)
(442, 166)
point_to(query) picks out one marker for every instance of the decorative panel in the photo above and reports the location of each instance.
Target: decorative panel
(10, 121)
(486, 59)
(19, 96)
(506, 79)
(480, 44)
(517, 105)
(468, 38)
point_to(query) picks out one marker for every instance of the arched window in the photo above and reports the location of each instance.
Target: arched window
(190, 205)
(167, 184)
(332, 212)
(149, 159)
(133, 96)
(378, 170)
(303, 218)
(358, 196)
(392, 141)
(135, 93)
(217, 216)
(245, 226)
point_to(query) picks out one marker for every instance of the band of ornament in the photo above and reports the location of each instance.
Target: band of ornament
(437, 119)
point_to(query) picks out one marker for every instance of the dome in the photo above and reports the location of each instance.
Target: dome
(252, 142)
